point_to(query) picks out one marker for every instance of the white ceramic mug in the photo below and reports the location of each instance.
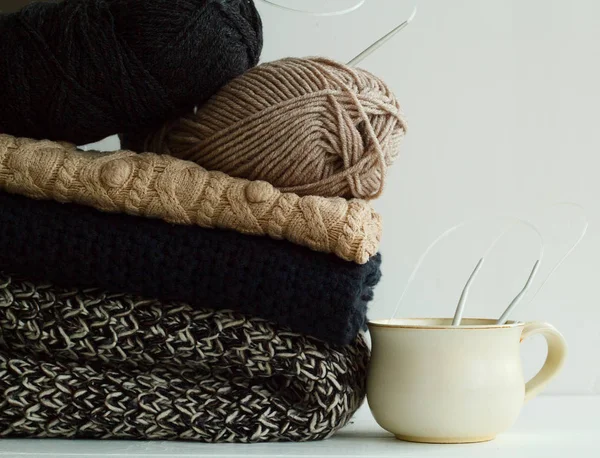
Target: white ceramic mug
(431, 382)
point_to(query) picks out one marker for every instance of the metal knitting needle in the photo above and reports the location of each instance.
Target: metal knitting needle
(367, 52)
(519, 296)
(463, 296)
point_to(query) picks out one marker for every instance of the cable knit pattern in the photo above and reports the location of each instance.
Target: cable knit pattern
(317, 294)
(182, 192)
(90, 364)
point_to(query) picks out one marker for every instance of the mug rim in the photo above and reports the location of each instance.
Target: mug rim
(413, 323)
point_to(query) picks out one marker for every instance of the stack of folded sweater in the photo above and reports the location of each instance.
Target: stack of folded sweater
(145, 297)
(115, 322)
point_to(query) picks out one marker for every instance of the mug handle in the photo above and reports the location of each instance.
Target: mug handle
(557, 353)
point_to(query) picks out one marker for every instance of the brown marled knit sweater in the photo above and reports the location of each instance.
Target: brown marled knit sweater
(182, 192)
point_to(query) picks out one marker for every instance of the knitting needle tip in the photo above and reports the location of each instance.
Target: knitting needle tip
(463, 297)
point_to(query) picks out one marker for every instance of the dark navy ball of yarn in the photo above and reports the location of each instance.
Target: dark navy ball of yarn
(82, 70)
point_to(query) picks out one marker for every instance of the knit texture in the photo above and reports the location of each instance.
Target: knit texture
(314, 293)
(89, 364)
(80, 70)
(182, 192)
(309, 126)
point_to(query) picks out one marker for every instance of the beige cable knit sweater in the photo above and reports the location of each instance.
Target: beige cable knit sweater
(182, 192)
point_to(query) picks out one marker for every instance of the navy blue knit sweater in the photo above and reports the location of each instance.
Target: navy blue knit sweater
(313, 293)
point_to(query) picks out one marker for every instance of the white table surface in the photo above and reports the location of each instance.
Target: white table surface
(557, 426)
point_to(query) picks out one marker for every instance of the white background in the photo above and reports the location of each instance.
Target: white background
(502, 99)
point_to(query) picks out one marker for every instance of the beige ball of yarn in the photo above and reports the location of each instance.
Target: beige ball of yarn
(307, 126)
